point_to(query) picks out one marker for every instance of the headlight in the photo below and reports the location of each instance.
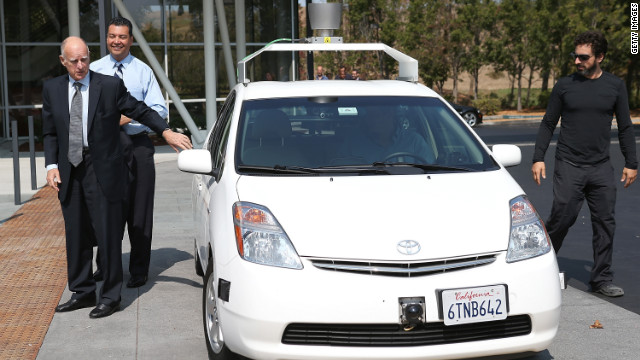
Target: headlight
(528, 237)
(261, 239)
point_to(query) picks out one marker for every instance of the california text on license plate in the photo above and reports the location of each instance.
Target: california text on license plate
(470, 305)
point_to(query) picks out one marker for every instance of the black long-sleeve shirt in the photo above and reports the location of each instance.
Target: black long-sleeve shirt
(587, 107)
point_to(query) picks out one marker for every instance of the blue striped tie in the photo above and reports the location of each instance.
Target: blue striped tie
(118, 72)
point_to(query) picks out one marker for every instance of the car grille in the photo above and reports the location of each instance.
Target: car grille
(393, 335)
(410, 269)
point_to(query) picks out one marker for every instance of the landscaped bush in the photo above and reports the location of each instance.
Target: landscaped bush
(488, 106)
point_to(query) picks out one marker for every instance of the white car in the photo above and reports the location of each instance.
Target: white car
(334, 221)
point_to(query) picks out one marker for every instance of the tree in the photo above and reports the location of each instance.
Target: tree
(478, 17)
(424, 39)
(510, 49)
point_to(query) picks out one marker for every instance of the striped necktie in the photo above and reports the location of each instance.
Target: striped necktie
(118, 72)
(75, 127)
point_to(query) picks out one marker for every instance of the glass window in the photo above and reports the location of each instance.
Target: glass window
(186, 71)
(268, 20)
(46, 20)
(35, 20)
(221, 132)
(147, 15)
(184, 22)
(27, 68)
(90, 21)
(196, 111)
(371, 133)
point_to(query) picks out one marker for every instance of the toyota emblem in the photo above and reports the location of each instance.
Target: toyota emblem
(408, 247)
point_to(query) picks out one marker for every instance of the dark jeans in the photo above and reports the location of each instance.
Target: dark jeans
(571, 186)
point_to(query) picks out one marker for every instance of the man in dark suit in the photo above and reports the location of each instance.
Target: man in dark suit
(85, 165)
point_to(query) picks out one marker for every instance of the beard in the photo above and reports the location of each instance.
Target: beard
(588, 71)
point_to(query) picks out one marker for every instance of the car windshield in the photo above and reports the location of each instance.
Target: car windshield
(362, 134)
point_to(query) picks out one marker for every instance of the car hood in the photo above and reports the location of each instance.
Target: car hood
(364, 217)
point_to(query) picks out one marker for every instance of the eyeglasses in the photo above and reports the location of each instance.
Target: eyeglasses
(582, 57)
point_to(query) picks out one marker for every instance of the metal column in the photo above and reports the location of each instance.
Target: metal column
(209, 62)
(226, 44)
(73, 12)
(241, 32)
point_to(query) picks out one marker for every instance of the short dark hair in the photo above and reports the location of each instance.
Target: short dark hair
(120, 21)
(595, 39)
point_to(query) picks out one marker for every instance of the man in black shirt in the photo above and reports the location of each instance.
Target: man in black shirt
(586, 101)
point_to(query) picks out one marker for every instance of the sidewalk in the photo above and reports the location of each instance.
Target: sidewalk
(7, 198)
(162, 320)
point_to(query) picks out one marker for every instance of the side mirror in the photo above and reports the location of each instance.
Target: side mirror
(196, 161)
(507, 155)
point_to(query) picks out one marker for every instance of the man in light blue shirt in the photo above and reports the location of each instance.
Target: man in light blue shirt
(141, 84)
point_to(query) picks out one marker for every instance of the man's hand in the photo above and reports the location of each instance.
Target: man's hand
(628, 176)
(176, 140)
(124, 120)
(53, 178)
(539, 171)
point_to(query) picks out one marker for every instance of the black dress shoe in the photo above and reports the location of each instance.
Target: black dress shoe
(75, 304)
(136, 281)
(103, 310)
(97, 276)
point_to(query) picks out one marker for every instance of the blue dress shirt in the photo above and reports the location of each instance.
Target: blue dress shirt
(141, 84)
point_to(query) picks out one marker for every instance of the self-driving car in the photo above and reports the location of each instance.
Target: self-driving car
(333, 221)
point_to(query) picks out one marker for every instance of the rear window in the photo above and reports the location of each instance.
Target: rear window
(333, 132)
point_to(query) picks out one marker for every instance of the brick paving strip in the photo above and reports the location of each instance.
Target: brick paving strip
(33, 274)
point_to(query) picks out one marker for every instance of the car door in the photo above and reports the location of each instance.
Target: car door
(205, 184)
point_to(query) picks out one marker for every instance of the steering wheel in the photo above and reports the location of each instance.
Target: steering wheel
(404, 153)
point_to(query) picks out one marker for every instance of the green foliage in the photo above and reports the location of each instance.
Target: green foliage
(519, 37)
(543, 99)
(369, 21)
(487, 105)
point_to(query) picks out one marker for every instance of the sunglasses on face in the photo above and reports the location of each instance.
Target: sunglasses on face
(582, 57)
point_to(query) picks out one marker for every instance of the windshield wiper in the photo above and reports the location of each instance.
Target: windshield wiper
(285, 169)
(278, 169)
(426, 167)
(375, 168)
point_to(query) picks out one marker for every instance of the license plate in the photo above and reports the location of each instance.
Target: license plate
(471, 305)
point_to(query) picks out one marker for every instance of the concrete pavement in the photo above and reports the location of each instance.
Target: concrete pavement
(162, 320)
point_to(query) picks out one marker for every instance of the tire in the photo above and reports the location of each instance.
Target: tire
(470, 118)
(212, 328)
(198, 265)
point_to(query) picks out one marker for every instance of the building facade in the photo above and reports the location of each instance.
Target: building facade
(32, 30)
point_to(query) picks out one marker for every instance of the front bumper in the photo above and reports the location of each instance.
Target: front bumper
(265, 300)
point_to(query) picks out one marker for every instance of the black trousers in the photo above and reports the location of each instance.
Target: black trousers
(571, 186)
(90, 216)
(140, 205)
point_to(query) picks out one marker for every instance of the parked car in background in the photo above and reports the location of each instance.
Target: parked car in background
(334, 221)
(471, 115)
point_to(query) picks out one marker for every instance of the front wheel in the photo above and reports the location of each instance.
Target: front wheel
(212, 327)
(470, 118)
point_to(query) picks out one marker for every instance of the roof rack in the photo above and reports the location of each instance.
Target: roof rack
(407, 66)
